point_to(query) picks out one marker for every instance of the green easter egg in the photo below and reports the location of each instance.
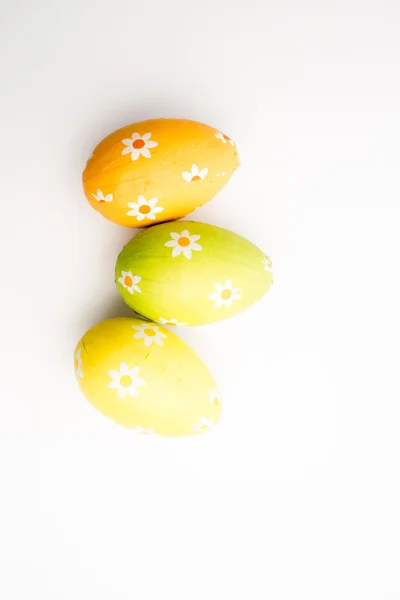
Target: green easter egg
(189, 273)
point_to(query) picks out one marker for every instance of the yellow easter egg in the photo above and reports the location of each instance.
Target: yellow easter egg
(143, 376)
(158, 170)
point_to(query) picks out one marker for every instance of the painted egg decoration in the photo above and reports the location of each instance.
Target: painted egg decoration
(189, 273)
(145, 377)
(158, 170)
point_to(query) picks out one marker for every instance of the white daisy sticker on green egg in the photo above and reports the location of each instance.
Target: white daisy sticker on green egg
(225, 294)
(183, 243)
(129, 282)
(126, 381)
(150, 334)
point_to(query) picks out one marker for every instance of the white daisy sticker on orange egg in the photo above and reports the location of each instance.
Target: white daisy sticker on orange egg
(183, 243)
(214, 397)
(225, 294)
(126, 381)
(144, 209)
(129, 282)
(100, 197)
(203, 425)
(138, 146)
(78, 363)
(150, 334)
(224, 138)
(195, 174)
(172, 322)
(267, 264)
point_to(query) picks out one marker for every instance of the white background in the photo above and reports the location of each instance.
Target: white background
(296, 495)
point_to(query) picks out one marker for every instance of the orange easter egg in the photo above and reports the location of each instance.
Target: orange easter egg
(158, 170)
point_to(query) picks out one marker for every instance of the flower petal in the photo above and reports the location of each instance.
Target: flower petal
(187, 252)
(196, 246)
(122, 392)
(185, 233)
(228, 284)
(146, 153)
(203, 173)
(195, 170)
(175, 236)
(126, 151)
(135, 137)
(157, 209)
(127, 142)
(187, 176)
(194, 238)
(135, 154)
(176, 251)
(170, 244)
(141, 200)
(146, 136)
(152, 202)
(132, 391)
(124, 368)
(151, 144)
(139, 382)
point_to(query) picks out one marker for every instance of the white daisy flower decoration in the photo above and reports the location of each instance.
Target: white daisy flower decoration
(144, 430)
(171, 322)
(225, 294)
(224, 138)
(101, 198)
(267, 264)
(78, 363)
(150, 334)
(203, 425)
(144, 209)
(129, 282)
(183, 243)
(126, 381)
(214, 397)
(194, 174)
(138, 145)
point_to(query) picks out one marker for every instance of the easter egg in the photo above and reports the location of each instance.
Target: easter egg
(158, 170)
(189, 273)
(145, 377)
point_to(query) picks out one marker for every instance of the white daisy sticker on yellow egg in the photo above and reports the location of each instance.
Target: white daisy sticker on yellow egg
(195, 174)
(214, 397)
(129, 282)
(144, 209)
(100, 197)
(225, 294)
(172, 322)
(203, 425)
(145, 431)
(224, 138)
(267, 264)
(183, 243)
(126, 381)
(150, 334)
(78, 363)
(138, 145)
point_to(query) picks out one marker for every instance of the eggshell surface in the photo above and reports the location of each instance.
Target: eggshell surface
(189, 273)
(145, 377)
(158, 170)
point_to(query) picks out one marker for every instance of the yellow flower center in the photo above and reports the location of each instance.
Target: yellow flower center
(125, 381)
(184, 241)
(226, 294)
(149, 332)
(138, 144)
(196, 177)
(128, 281)
(144, 209)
